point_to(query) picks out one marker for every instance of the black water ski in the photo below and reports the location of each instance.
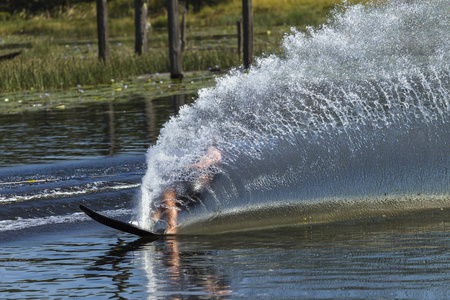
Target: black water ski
(119, 225)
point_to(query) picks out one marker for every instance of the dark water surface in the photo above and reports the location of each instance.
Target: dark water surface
(403, 259)
(50, 250)
(106, 128)
(52, 162)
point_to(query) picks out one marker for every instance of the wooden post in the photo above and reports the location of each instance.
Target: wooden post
(247, 19)
(176, 69)
(102, 29)
(140, 25)
(239, 38)
(183, 27)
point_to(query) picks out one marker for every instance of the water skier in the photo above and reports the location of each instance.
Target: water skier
(186, 192)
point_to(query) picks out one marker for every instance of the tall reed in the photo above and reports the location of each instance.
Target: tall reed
(49, 73)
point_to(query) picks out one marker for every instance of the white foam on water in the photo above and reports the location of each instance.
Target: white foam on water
(95, 187)
(24, 223)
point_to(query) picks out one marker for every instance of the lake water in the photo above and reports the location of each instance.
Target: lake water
(49, 249)
(106, 128)
(402, 259)
(334, 182)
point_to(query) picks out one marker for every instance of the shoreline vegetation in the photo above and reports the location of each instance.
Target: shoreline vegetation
(58, 48)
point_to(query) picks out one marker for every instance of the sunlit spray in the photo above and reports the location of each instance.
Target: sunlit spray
(350, 121)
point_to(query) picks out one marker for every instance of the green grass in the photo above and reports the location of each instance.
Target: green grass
(68, 67)
(59, 50)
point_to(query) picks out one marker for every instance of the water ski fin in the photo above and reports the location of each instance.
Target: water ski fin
(119, 225)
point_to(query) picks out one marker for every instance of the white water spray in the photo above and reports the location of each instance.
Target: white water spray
(352, 121)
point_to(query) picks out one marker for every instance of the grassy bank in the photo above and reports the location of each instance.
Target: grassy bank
(60, 51)
(50, 73)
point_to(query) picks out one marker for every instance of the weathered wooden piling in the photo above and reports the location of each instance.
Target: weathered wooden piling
(140, 25)
(247, 20)
(183, 27)
(102, 29)
(176, 68)
(239, 38)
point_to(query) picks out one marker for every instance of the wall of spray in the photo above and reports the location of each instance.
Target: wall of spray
(351, 121)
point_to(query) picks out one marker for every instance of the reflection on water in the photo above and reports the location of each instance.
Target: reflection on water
(184, 270)
(102, 129)
(395, 258)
